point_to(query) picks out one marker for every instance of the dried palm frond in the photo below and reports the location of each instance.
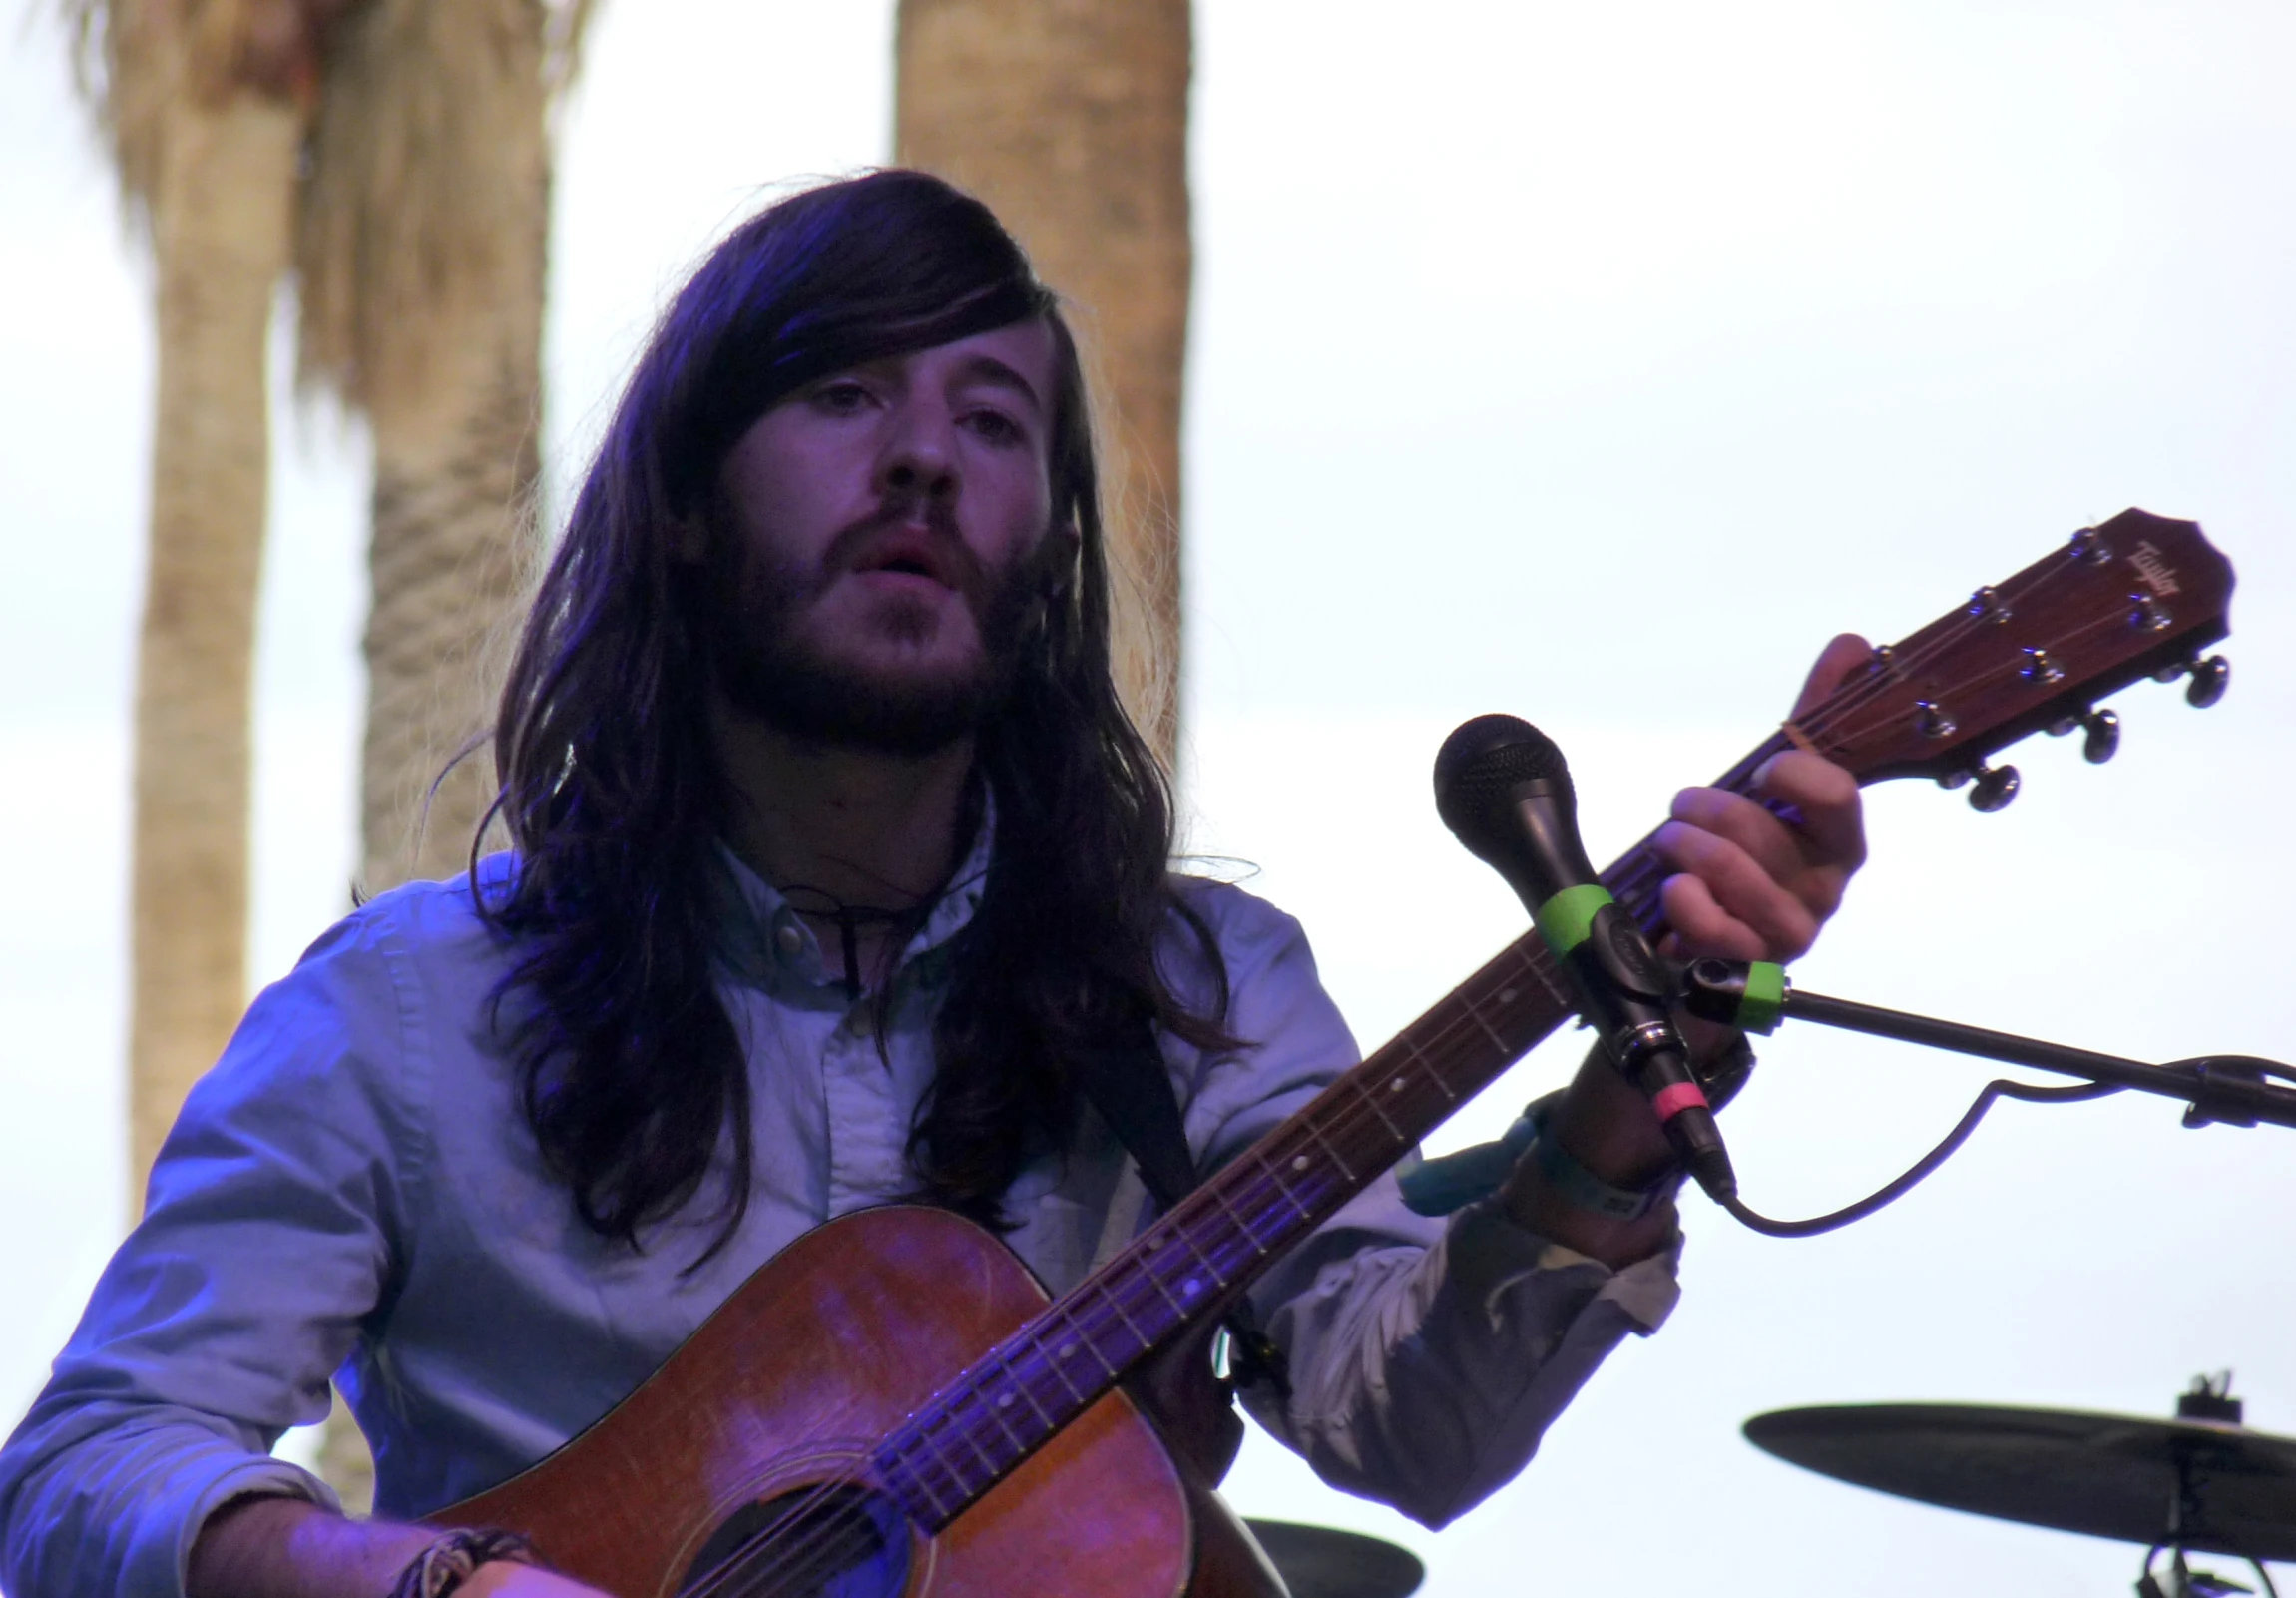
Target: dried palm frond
(134, 59)
(428, 174)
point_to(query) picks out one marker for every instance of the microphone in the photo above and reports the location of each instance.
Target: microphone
(1503, 789)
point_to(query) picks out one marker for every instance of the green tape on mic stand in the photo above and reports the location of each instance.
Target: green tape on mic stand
(1764, 1000)
(1566, 919)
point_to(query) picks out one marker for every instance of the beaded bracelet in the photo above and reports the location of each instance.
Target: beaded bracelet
(449, 1562)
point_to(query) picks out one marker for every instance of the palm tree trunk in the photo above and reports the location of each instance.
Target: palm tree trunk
(219, 212)
(454, 470)
(1070, 118)
(428, 232)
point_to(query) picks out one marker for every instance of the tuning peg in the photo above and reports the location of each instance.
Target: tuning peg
(2209, 679)
(2103, 740)
(1995, 787)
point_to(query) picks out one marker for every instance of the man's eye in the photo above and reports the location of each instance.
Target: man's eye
(995, 426)
(842, 398)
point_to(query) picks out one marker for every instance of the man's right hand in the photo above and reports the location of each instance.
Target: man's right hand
(293, 1548)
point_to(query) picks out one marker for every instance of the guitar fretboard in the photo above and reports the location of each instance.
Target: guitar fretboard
(1224, 1235)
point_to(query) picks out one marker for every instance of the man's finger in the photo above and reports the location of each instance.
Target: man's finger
(1701, 926)
(1832, 826)
(1839, 660)
(1742, 889)
(1734, 816)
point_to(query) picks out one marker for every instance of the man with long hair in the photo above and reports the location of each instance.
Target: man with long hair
(833, 854)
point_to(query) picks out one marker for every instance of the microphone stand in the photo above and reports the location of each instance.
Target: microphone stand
(2220, 1089)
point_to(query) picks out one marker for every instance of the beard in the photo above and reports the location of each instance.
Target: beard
(769, 667)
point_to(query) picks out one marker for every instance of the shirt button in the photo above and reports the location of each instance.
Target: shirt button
(789, 938)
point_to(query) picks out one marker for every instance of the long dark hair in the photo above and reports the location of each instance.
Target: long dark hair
(630, 1072)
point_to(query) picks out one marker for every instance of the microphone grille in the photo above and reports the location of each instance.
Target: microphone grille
(1481, 762)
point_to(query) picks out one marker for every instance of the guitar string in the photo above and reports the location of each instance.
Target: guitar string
(1643, 868)
(1258, 1195)
(810, 1552)
(1980, 678)
(2010, 595)
(1264, 1193)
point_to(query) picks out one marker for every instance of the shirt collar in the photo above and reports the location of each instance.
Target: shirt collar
(771, 938)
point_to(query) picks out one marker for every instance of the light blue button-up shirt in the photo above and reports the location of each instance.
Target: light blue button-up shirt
(354, 1191)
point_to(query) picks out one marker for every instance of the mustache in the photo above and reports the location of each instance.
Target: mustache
(952, 554)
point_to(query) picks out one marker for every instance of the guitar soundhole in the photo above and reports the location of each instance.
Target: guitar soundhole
(815, 1542)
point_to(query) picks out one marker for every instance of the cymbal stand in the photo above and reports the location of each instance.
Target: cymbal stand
(2209, 1402)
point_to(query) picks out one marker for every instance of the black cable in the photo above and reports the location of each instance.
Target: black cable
(1999, 1088)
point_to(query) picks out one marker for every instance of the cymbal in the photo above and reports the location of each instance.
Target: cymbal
(1320, 1562)
(2117, 1476)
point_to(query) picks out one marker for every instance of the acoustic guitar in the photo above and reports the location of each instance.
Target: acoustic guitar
(894, 1406)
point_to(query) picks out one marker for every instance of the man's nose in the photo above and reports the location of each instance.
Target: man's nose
(920, 455)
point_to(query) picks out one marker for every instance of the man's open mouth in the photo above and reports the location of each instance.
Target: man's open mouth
(912, 553)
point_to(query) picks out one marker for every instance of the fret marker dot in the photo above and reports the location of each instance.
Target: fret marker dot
(1005, 1402)
(1189, 1286)
(1153, 1244)
(1068, 1348)
(1299, 1161)
(1395, 1086)
(1506, 995)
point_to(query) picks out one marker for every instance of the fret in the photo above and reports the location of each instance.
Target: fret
(1112, 1298)
(1078, 1336)
(956, 1477)
(1527, 951)
(893, 1464)
(1054, 1364)
(1442, 1084)
(995, 1410)
(1211, 1270)
(1218, 1193)
(1315, 1130)
(1371, 1098)
(1148, 1268)
(962, 1430)
(1021, 1385)
(1276, 1177)
(1476, 1016)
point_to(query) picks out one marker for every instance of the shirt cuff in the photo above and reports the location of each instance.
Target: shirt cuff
(1492, 1254)
(256, 1478)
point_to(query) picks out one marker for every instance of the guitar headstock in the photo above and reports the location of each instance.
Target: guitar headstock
(2137, 596)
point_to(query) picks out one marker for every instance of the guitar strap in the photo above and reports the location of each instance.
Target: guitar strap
(1133, 1091)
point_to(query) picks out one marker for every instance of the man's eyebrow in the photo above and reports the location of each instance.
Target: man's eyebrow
(989, 370)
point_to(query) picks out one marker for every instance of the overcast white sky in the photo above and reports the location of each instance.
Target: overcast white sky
(1593, 364)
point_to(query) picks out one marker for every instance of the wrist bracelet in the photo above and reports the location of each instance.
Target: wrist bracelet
(450, 1561)
(1580, 1187)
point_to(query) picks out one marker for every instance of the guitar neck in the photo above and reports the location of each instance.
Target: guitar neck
(2138, 595)
(1245, 1219)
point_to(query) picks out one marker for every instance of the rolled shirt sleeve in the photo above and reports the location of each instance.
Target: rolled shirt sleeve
(1425, 1357)
(268, 1234)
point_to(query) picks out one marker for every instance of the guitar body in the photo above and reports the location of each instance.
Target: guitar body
(794, 1380)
